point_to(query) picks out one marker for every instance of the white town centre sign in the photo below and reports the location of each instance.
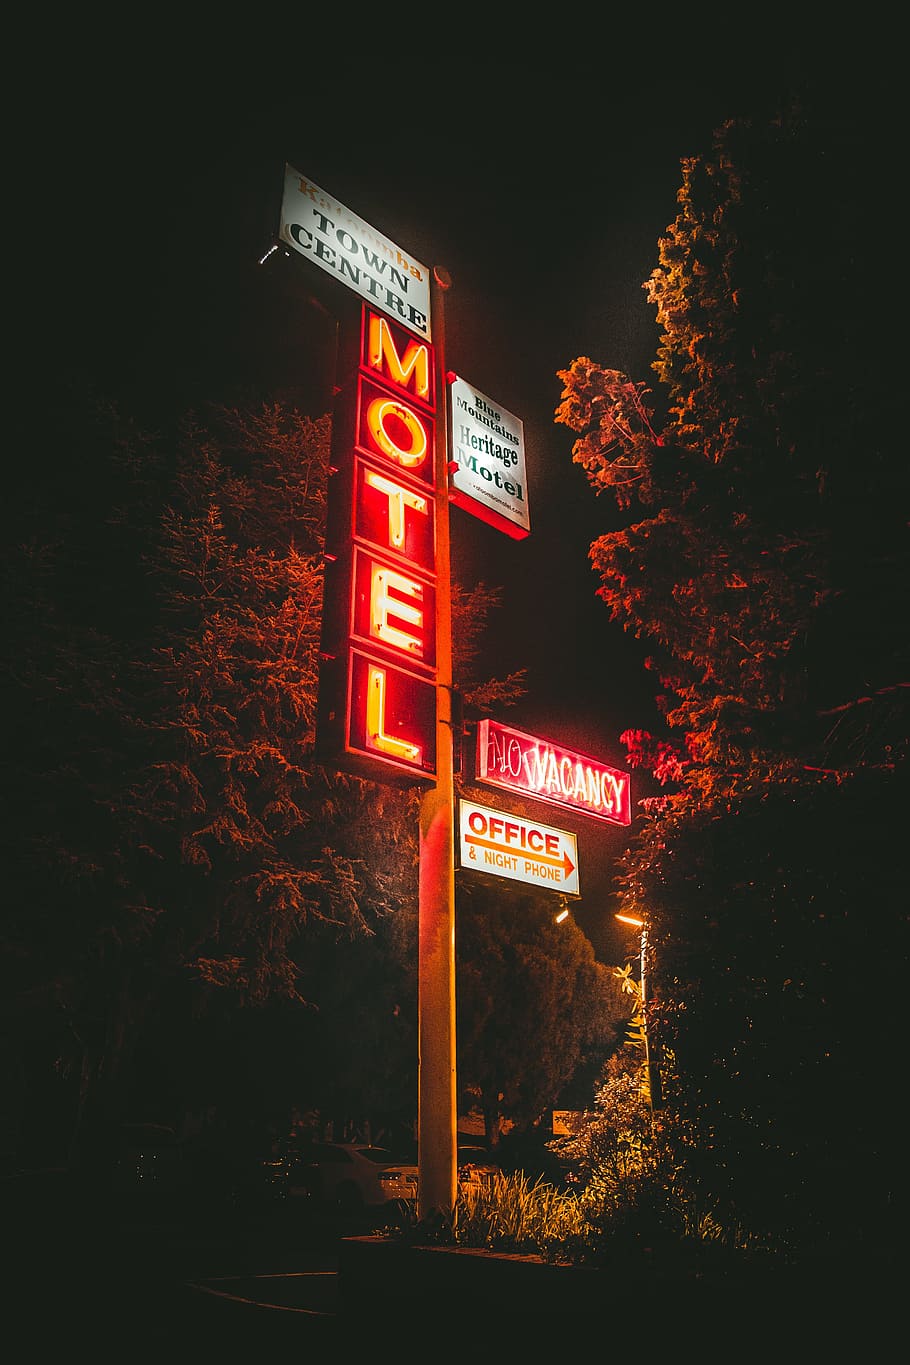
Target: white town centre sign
(512, 846)
(335, 239)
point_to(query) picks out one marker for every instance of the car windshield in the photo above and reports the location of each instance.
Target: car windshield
(380, 1155)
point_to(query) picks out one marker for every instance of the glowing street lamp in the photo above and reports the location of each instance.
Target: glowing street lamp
(642, 927)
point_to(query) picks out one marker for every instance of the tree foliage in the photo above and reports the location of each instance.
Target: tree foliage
(264, 834)
(764, 560)
(534, 1005)
(176, 838)
(180, 867)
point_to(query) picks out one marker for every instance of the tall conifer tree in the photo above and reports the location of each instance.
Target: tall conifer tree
(765, 531)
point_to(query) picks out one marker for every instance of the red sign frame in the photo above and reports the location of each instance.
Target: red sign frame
(377, 678)
(536, 768)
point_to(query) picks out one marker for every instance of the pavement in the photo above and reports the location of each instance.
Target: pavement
(169, 1290)
(144, 1282)
(134, 1310)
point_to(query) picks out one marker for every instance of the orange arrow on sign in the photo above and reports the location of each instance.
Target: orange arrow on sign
(565, 862)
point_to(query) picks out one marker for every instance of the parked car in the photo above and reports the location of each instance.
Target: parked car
(146, 1161)
(475, 1167)
(352, 1176)
(139, 1170)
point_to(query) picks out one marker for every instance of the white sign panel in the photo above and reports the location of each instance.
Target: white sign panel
(339, 242)
(489, 452)
(510, 846)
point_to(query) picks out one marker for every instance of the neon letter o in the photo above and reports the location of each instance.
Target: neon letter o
(378, 412)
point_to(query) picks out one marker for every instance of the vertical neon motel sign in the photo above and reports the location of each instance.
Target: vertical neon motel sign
(377, 677)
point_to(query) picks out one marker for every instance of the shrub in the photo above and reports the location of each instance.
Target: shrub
(510, 1212)
(625, 1190)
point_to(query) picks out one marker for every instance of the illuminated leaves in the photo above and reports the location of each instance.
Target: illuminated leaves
(761, 558)
(610, 410)
(656, 755)
(269, 842)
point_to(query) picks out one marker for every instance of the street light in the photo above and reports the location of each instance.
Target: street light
(642, 927)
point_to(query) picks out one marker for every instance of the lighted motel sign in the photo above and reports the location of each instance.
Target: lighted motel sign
(533, 767)
(377, 677)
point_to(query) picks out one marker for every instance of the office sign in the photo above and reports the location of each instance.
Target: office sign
(487, 461)
(511, 846)
(534, 767)
(376, 713)
(353, 253)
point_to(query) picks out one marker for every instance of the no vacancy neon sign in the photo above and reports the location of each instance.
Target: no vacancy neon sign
(534, 767)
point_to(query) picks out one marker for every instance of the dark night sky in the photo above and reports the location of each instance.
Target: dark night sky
(540, 170)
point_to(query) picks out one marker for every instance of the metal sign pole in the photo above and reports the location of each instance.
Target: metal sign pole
(437, 1102)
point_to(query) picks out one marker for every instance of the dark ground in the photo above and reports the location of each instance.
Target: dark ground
(154, 1284)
